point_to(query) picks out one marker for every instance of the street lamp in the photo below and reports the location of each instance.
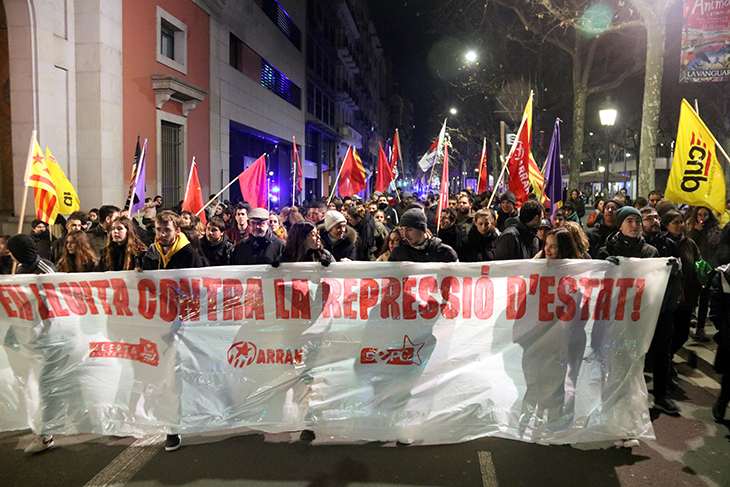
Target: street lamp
(470, 56)
(608, 118)
(453, 111)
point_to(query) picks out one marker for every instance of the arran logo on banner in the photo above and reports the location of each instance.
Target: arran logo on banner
(145, 352)
(247, 353)
(408, 355)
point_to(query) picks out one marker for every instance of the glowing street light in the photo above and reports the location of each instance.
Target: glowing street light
(453, 111)
(470, 56)
(608, 118)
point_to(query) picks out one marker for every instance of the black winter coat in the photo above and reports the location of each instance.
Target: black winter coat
(720, 316)
(517, 242)
(454, 237)
(365, 243)
(185, 258)
(597, 237)
(479, 248)
(218, 253)
(118, 257)
(258, 250)
(621, 246)
(502, 218)
(434, 251)
(341, 249)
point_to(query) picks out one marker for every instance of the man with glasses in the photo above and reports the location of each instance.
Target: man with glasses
(262, 246)
(598, 234)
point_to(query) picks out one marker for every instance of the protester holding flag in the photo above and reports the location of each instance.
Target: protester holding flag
(124, 250)
(78, 256)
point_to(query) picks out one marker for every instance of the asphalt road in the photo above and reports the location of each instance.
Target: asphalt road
(690, 450)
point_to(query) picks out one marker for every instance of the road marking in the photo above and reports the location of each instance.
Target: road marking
(128, 463)
(489, 475)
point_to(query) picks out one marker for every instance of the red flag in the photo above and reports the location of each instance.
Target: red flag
(352, 174)
(193, 201)
(395, 154)
(385, 176)
(298, 164)
(253, 184)
(483, 176)
(444, 196)
(520, 157)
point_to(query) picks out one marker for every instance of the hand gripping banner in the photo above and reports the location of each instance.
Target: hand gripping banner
(541, 351)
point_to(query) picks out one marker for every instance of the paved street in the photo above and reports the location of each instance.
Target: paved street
(691, 450)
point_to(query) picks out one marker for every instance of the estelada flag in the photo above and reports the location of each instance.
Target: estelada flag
(352, 174)
(253, 184)
(696, 177)
(483, 176)
(67, 200)
(193, 201)
(523, 171)
(385, 176)
(44, 191)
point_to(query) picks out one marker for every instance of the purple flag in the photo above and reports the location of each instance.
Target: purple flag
(139, 183)
(553, 172)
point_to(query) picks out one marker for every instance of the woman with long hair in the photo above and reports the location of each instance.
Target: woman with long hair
(579, 237)
(393, 240)
(303, 244)
(702, 227)
(77, 256)
(597, 215)
(559, 244)
(123, 250)
(277, 226)
(191, 220)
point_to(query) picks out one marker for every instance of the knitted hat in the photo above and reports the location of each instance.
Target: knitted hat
(36, 222)
(414, 218)
(615, 202)
(259, 214)
(332, 218)
(23, 248)
(508, 196)
(624, 212)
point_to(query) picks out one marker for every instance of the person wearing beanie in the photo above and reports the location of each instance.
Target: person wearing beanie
(23, 249)
(262, 246)
(519, 239)
(418, 245)
(507, 209)
(628, 241)
(598, 234)
(337, 237)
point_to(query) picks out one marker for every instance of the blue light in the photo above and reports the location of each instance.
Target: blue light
(275, 189)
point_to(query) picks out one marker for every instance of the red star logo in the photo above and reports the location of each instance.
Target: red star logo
(407, 343)
(38, 158)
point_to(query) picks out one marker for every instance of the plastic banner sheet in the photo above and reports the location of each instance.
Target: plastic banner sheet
(544, 351)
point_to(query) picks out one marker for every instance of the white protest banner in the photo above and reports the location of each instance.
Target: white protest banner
(548, 351)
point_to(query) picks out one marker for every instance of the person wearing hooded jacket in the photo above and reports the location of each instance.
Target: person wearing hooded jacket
(628, 241)
(172, 249)
(519, 239)
(262, 246)
(337, 237)
(598, 234)
(42, 238)
(418, 245)
(216, 245)
(23, 249)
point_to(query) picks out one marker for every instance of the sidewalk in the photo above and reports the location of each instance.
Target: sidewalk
(701, 355)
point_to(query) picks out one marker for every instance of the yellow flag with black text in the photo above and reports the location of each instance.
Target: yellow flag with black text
(67, 200)
(696, 177)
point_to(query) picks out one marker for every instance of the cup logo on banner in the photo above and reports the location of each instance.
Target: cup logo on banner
(408, 355)
(246, 353)
(145, 352)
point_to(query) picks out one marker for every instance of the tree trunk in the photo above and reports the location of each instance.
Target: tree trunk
(580, 95)
(655, 24)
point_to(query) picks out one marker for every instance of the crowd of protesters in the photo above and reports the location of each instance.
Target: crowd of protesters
(406, 227)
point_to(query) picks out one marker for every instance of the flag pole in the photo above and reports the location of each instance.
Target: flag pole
(336, 181)
(26, 183)
(501, 174)
(294, 172)
(190, 177)
(484, 153)
(220, 192)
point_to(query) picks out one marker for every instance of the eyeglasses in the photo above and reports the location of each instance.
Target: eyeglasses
(650, 217)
